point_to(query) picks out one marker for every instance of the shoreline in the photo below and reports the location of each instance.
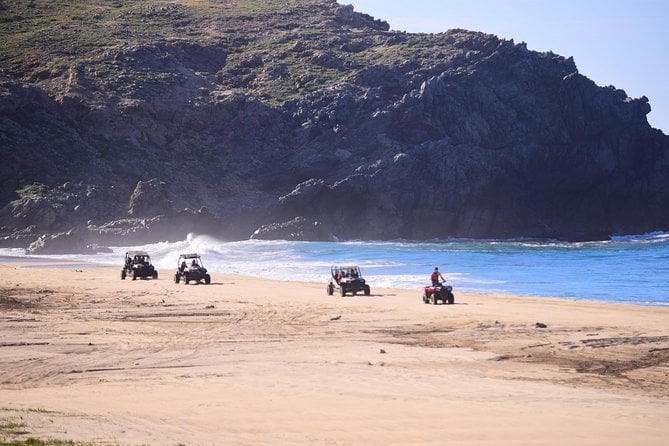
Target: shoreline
(88, 357)
(36, 263)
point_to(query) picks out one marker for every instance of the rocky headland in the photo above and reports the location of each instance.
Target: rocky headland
(130, 122)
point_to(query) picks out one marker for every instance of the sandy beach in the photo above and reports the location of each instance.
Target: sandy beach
(85, 356)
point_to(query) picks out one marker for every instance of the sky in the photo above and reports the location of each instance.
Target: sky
(624, 43)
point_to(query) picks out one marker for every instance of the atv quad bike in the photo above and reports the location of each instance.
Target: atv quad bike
(435, 293)
(189, 267)
(346, 279)
(138, 264)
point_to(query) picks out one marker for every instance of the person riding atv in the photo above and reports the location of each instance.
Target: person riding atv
(438, 291)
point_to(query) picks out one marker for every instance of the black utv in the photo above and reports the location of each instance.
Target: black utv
(347, 279)
(189, 267)
(138, 264)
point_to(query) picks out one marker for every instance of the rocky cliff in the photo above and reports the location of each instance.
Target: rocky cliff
(129, 122)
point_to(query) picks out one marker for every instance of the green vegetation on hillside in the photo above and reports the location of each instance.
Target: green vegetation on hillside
(38, 31)
(276, 50)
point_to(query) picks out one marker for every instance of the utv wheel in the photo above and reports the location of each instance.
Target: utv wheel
(368, 291)
(330, 289)
(186, 279)
(342, 291)
(207, 279)
(123, 275)
(176, 278)
(134, 275)
(155, 274)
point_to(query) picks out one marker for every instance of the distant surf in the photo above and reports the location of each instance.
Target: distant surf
(626, 269)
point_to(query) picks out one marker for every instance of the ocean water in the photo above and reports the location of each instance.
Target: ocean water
(631, 269)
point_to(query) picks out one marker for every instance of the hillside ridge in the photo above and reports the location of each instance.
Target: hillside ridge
(131, 122)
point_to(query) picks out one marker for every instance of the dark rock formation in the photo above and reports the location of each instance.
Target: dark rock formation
(298, 228)
(72, 241)
(148, 199)
(313, 122)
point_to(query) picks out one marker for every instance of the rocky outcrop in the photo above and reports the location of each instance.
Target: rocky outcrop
(298, 228)
(71, 241)
(149, 199)
(318, 123)
(127, 231)
(474, 153)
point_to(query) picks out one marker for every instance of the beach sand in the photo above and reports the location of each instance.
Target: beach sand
(85, 356)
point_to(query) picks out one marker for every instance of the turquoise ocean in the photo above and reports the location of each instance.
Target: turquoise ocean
(629, 269)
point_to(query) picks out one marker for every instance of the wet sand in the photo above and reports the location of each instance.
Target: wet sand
(85, 356)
